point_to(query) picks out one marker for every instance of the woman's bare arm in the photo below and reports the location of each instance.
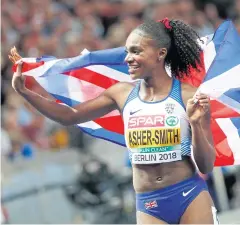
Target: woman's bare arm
(66, 115)
(203, 147)
(202, 139)
(103, 104)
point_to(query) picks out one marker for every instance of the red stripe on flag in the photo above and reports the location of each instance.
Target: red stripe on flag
(219, 110)
(27, 66)
(196, 76)
(112, 123)
(224, 155)
(92, 77)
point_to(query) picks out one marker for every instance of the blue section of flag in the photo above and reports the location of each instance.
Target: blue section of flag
(236, 123)
(109, 57)
(105, 135)
(114, 56)
(45, 58)
(231, 98)
(120, 68)
(227, 50)
(234, 93)
(220, 34)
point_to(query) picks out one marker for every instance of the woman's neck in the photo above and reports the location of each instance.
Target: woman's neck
(157, 83)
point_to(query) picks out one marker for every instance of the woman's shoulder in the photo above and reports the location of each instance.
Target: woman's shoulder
(121, 90)
(188, 91)
(122, 87)
(187, 88)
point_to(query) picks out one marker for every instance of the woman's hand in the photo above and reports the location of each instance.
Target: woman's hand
(14, 56)
(199, 112)
(202, 138)
(18, 80)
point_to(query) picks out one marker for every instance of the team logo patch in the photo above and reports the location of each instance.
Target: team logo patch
(172, 121)
(151, 204)
(169, 107)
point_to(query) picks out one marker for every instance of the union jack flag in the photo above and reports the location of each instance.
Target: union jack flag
(78, 79)
(151, 204)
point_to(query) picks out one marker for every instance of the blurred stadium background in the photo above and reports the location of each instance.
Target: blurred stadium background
(55, 174)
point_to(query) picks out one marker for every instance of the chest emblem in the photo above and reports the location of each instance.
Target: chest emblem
(169, 107)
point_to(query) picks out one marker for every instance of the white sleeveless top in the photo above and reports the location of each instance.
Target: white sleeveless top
(156, 132)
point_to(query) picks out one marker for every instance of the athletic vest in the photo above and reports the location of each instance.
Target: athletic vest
(156, 132)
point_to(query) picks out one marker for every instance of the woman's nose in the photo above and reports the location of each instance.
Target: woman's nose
(128, 58)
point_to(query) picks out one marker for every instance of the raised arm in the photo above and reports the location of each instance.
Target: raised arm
(64, 114)
(202, 139)
(199, 117)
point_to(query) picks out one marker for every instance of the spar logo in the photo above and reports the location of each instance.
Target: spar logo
(172, 121)
(146, 121)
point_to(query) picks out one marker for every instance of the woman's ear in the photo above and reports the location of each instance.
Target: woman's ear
(162, 53)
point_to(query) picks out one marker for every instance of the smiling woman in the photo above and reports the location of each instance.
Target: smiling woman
(161, 122)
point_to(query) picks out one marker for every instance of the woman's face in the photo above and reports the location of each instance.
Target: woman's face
(142, 56)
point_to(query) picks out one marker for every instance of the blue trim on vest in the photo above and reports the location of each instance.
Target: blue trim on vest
(133, 94)
(186, 146)
(176, 93)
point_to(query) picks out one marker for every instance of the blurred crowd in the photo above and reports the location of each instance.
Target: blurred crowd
(64, 28)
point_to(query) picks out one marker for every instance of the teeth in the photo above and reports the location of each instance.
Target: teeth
(134, 67)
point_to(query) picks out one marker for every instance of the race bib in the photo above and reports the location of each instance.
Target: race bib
(154, 139)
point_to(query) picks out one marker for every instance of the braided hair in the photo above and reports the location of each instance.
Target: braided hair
(179, 39)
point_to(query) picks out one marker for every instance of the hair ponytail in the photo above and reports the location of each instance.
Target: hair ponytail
(184, 50)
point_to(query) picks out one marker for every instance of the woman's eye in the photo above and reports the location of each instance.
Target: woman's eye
(132, 52)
